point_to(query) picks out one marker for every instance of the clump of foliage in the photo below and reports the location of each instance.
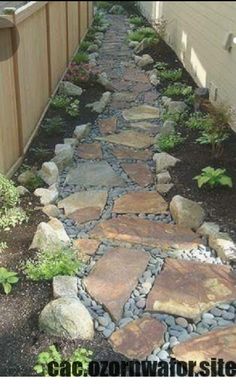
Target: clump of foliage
(53, 126)
(34, 182)
(78, 74)
(170, 141)
(82, 355)
(40, 152)
(52, 262)
(104, 5)
(178, 90)
(213, 177)
(143, 33)
(84, 45)
(7, 279)
(177, 117)
(73, 108)
(160, 65)
(10, 214)
(199, 122)
(81, 57)
(172, 75)
(60, 101)
(3, 246)
(137, 21)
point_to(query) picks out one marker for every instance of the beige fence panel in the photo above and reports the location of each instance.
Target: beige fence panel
(49, 33)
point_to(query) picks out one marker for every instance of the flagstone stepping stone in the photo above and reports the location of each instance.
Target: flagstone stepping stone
(141, 202)
(189, 288)
(142, 112)
(139, 338)
(140, 173)
(139, 231)
(88, 246)
(90, 151)
(146, 126)
(107, 126)
(129, 138)
(129, 153)
(218, 344)
(94, 174)
(114, 277)
(84, 206)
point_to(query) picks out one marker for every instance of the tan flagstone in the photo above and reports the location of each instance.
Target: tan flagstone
(114, 277)
(141, 112)
(139, 338)
(107, 126)
(141, 202)
(90, 151)
(129, 138)
(84, 199)
(129, 153)
(140, 231)
(189, 288)
(140, 173)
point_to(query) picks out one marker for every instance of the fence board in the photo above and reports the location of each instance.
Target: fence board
(73, 26)
(83, 18)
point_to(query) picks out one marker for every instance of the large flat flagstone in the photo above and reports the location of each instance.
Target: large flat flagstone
(152, 129)
(187, 288)
(139, 231)
(141, 202)
(90, 151)
(94, 174)
(139, 338)
(114, 277)
(140, 173)
(218, 344)
(142, 112)
(129, 153)
(130, 138)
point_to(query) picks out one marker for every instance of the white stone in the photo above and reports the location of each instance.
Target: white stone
(163, 189)
(47, 196)
(167, 128)
(186, 212)
(223, 245)
(164, 161)
(70, 89)
(208, 228)
(99, 106)
(51, 210)
(81, 131)
(65, 286)
(64, 155)
(153, 77)
(143, 61)
(22, 190)
(67, 317)
(50, 235)
(104, 81)
(49, 173)
(163, 177)
(71, 141)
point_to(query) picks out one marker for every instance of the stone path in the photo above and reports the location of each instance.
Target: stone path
(149, 284)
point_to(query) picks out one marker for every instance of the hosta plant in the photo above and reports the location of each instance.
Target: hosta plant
(73, 108)
(213, 177)
(199, 122)
(178, 90)
(7, 279)
(82, 355)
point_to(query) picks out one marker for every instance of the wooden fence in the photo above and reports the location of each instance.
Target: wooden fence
(49, 33)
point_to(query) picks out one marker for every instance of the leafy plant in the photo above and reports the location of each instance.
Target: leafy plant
(171, 74)
(82, 355)
(215, 139)
(169, 142)
(198, 121)
(53, 262)
(84, 45)
(40, 152)
(9, 195)
(60, 101)
(104, 5)
(53, 126)
(178, 90)
(73, 109)
(3, 246)
(12, 217)
(160, 65)
(7, 279)
(78, 74)
(34, 182)
(81, 57)
(143, 33)
(177, 117)
(213, 177)
(137, 21)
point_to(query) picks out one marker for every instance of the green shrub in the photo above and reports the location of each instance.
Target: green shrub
(214, 139)
(34, 182)
(83, 355)
(171, 74)
(9, 195)
(169, 142)
(198, 121)
(213, 177)
(53, 126)
(53, 262)
(81, 57)
(177, 117)
(84, 45)
(7, 279)
(3, 246)
(73, 108)
(60, 101)
(12, 217)
(137, 21)
(143, 33)
(160, 65)
(104, 5)
(178, 90)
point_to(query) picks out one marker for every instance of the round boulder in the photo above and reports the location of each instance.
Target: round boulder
(186, 212)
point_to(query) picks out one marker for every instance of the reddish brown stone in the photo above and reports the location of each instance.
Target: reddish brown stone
(107, 126)
(121, 85)
(128, 153)
(85, 214)
(150, 97)
(88, 246)
(140, 202)
(145, 232)
(139, 338)
(218, 344)
(90, 151)
(132, 74)
(140, 88)
(139, 173)
(187, 288)
(114, 277)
